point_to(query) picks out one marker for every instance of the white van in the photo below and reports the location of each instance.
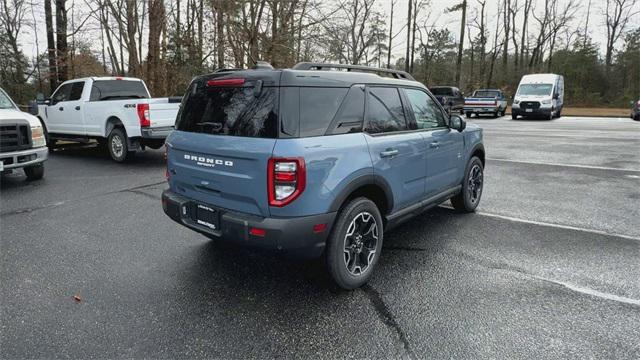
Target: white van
(539, 96)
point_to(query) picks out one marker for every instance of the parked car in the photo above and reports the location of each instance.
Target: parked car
(450, 97)
(486, 101)
(286, 160)
(118, 112)
(539, 96)
(635, 110)
(22, 141)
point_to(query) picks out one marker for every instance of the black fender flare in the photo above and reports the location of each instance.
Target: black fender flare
(475, 148)
(359, 182)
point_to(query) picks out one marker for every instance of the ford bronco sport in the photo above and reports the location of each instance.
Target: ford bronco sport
(313, 162)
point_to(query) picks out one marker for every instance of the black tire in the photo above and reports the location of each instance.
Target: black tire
(461, 111)
(34, 172)
(495, 114)
(118, 146)
(468, 198)
(51, 143)
(468, 115)
(346, 267)
(637, 117)
(514, 116)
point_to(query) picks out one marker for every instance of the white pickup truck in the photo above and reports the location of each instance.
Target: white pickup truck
(118, 112)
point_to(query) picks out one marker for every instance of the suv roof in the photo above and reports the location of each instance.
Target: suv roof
(320, 74)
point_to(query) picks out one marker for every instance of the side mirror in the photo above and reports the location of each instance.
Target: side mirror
(456, 122)
(556, 96)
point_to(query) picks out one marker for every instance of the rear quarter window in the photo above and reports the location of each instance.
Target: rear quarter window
(234, 111)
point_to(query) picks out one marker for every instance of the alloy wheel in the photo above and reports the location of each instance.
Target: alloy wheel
(360, 243)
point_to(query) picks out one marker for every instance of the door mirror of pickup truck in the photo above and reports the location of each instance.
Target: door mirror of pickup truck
(457, 123)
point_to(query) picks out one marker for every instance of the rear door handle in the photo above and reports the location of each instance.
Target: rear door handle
(61, 108)
(389, 153)
(434, 145)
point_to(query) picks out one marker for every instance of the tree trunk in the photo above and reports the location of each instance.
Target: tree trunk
(132, 28)
(463, 22)
(51, 47)
(155, 71)
(61, 40)
(390, 35)
(220, 32)
(409, 18)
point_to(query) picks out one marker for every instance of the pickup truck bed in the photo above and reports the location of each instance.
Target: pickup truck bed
(93, 108)
(485, 102)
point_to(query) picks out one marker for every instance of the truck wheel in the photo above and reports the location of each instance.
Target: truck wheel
(461, 111)
(354, 245)
(118, 147)
(468, 114)
(514, 116)
(34, 172)
(469, 197)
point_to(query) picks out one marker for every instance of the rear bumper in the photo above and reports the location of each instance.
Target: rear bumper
(156, 133)
(482, 109)
(293, 236)
(23, 158)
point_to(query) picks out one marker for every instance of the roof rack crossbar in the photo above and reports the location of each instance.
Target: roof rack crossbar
(398, 74)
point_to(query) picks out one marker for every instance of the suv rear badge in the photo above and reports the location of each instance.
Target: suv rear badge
(206, 161)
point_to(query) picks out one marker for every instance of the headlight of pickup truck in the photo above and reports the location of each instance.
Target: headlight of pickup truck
(37, 136)
(545, 102)
(516, 102)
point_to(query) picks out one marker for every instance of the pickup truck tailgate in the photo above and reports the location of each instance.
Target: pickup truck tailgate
(163, 114)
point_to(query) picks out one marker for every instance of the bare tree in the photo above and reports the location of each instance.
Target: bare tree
(617, 13)
(389, 47)
(62, 52)
(51, 47)
(462, 7)
(12, 17)
(155, 72)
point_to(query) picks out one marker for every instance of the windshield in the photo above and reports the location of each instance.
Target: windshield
(441, 91)
(535, 89)
(5, 101)
(486, 94)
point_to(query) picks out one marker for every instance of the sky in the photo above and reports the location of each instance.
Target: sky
(435, 15)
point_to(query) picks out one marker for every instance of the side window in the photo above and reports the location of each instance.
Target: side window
(76, 90)
(318, 106)
(384, 111)
(62, 94)
(351, 114)
(425, 110)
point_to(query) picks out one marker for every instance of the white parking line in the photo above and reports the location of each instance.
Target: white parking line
(564, 165)
(592, 292)
(559, 226)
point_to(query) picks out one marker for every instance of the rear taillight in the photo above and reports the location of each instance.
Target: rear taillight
(286, 180)
(143, 115)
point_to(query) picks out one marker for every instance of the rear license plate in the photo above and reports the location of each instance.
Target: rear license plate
(207, 216)
(528, 110)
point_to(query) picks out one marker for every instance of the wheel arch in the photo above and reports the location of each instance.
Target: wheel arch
(478, 150)
(373, 187)
(111, 123)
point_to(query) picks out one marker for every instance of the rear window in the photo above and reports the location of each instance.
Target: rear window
(247, 111)
(441, 91)
(486, 94)
(103, 90)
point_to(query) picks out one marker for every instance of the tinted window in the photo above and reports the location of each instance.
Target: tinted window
(486, 94)
(442, 91)
(76, 90)
(384, 111)
(117, 90)
(425, 110)
(238, 111)
(318, 106)
(62, 94)
(350, 117)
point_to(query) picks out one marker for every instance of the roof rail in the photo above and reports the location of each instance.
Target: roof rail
(398, 74)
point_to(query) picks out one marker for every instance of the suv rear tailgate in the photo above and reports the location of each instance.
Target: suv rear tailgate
(225, 171)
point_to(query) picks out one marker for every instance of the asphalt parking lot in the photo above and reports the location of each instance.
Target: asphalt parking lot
(549, 267)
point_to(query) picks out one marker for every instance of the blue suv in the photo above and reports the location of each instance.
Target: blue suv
(315, 161)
